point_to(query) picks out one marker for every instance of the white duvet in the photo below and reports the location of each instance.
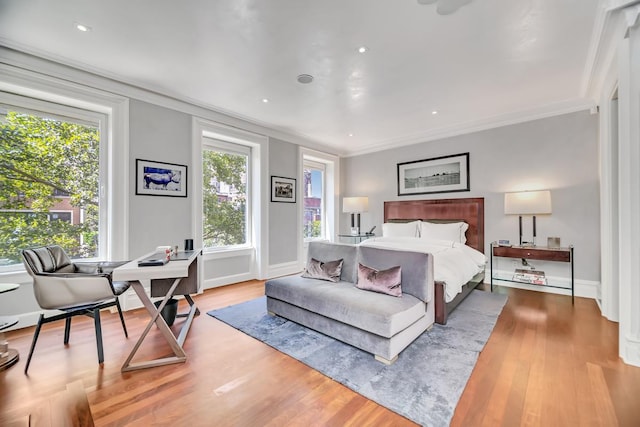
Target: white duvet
(454, 263)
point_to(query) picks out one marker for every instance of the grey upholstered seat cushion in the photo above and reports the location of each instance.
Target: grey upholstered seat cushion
(380, 314)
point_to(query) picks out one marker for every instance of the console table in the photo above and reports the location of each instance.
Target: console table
(177, 277)
(539, 253)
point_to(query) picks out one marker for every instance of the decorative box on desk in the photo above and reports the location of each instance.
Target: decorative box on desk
(539, 253)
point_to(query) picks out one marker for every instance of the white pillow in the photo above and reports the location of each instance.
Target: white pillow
(400, 229)
(452, 231)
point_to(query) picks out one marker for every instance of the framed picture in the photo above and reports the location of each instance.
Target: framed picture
(438, 175)
(160, 179)
(283, 189)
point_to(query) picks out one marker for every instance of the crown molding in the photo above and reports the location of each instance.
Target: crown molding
(543, 112)
(25, 58)
(613, 19)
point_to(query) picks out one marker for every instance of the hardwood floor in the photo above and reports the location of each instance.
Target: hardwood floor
(547, 363)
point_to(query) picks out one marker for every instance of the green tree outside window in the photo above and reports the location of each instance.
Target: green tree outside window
(224, 198)
(41, 160)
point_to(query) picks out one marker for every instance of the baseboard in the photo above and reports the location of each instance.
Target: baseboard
(227, 280)
(283, 269)
(31, 318)
(28, 319)
(130, 301)
(630, 350)
(582, 288)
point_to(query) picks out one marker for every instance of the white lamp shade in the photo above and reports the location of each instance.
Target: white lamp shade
(355, 204)
(527, 203)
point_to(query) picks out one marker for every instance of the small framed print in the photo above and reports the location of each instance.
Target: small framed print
(283, 189)
(160, 179)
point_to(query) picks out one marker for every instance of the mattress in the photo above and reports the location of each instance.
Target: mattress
(454, 264)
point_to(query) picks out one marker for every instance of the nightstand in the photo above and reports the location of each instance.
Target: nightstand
(539, 253)
(355, 238)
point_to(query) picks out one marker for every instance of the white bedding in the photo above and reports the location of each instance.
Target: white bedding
(454, 263)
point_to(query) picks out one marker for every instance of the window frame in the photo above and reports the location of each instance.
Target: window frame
(81, 115)
(34, 78)
(321, 166)
(259, 144)
(332, 190)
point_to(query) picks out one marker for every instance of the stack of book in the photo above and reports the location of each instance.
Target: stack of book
(532, 277)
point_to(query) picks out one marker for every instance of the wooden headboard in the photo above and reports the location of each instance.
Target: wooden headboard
(469, 210)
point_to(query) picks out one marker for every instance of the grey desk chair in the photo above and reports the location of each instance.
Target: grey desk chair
(81, 288)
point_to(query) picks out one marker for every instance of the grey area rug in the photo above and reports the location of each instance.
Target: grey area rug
(423, 385)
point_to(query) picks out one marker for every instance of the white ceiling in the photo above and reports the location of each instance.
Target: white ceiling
(489, 63)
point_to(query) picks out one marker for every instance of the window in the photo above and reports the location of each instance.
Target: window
(225, 194)
(51, 171)
(320, 178)
(314, 217)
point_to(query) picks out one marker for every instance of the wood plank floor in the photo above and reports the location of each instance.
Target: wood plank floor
(547, 363)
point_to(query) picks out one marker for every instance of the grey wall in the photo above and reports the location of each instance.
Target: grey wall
(558, 153)
(163, 135)
(283, 217)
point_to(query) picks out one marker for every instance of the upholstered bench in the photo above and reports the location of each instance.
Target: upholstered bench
(376, 322)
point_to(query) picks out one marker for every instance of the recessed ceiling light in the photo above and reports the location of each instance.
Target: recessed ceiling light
(363, 49)
(350, 134)
(434, 112)
(305, 79)
(265, 100)
(82, 27)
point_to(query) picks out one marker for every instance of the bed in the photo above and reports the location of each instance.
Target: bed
(467, 210)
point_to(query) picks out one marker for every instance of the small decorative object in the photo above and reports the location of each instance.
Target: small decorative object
(160, 179)
(438, 175)
(283, 189)
(166, 250)
(553, 242)
(503, 243)
(188, 244)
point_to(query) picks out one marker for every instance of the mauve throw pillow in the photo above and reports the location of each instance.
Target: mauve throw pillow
(385, 281)
(323, 270)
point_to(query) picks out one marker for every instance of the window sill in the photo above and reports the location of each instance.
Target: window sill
(227, 252)
(15, 276)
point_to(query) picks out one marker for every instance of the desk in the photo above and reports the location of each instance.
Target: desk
(10, 356)
(177, 277)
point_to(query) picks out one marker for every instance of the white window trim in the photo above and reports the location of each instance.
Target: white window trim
(68, 113)
(259, 145)
(331, 193)
(325, 214)
(17, 81)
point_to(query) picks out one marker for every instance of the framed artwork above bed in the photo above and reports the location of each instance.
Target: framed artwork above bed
(437, 175)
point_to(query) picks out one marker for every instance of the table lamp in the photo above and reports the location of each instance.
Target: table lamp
(527, 203)
(354, 206)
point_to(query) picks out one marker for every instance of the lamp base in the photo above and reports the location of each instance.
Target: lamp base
(355, 231)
